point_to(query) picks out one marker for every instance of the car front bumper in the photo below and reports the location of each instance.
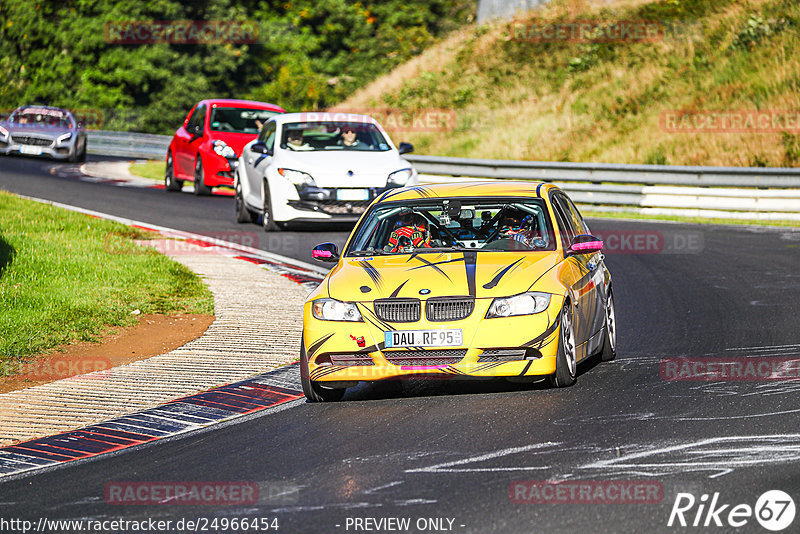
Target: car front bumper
(348, 352)
(60, 152)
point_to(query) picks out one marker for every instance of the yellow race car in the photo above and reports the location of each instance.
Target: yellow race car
(480, 280)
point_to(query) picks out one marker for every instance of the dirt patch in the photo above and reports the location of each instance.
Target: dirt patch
(153, 335)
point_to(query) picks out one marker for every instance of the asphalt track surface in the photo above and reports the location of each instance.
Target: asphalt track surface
(453, 450)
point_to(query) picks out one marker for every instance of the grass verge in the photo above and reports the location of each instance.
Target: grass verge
(67, 277)
(590, 214)
(153, 169)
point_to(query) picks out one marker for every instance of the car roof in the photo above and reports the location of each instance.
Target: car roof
(471, 189)
(235, 103)
(42, 107)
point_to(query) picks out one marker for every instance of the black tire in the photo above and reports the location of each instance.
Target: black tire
(313, 391)
(266, 211)
(200, 187)
(566, 360)
(170, 182)
(609, 351)
(82, 155)
(243, 215)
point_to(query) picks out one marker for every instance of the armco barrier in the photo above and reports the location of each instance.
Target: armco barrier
(729, 192)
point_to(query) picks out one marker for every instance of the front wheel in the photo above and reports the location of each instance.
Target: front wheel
(312, 390)
(200, 187)
(242, 215)
(609, 351)
(170, 183)
(566, 360)
(267, 217)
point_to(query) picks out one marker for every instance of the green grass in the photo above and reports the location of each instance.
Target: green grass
(67, 277)
(588, 213)
(604, 102)
(153, 169)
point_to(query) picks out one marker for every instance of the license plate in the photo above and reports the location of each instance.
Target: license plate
(424, 338)
(352, 194)
(33, 150)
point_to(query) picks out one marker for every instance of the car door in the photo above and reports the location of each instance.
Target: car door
(256, 163)
(581, 285)
(187, 140)
(594, 263)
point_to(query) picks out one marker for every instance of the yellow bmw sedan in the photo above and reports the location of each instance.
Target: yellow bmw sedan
(469, 280)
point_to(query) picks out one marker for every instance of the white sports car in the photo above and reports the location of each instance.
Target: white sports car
(315, 167)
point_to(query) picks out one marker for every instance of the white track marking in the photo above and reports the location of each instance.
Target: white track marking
(447, 467)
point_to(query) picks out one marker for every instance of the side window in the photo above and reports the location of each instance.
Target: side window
(198, 117)
(572, 212)
(568, 230)
(267, 135)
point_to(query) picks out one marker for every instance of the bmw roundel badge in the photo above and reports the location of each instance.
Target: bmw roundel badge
(424, 291)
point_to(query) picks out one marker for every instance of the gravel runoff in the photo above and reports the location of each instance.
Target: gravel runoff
(257, 328)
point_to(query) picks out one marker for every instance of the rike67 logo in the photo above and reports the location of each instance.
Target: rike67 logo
(774, 510)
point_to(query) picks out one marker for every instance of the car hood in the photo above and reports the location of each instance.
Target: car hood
(234, 140)
(40, 131)
(481, 274)
(344, 168)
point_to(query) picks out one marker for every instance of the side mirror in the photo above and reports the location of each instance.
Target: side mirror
(327, 252)
(585, 244)
(405, 148)
(196, 130)
(261, 148)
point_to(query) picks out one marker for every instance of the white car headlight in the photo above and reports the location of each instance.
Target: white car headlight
(524, 304)
(63, 138)
(400, 177)
(297, 177)
(221, 148)
(3, 132)
(335, 310)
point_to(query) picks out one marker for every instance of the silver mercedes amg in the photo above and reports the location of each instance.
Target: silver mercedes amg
(43, 131)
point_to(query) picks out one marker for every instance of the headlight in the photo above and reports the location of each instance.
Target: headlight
(297, 177)
(63, 138)
(400, 177)
(524, 304)
(223, 150)
(3, 132)
(335, 310)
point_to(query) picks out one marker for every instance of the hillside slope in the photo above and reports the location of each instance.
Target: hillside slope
(516, 97)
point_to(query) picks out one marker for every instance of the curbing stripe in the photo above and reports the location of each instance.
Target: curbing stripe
(167, 420)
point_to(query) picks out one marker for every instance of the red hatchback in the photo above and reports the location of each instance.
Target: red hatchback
(206, 148)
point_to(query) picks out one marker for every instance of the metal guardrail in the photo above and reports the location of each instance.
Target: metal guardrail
(609, 172)
(737, 192)
(127, 144)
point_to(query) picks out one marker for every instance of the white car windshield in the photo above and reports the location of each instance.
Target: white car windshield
(333, 135)
(519, 224)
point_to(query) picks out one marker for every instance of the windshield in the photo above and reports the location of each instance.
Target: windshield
(239, 120)
(34, 116)
(333, 135)
(518, 224)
